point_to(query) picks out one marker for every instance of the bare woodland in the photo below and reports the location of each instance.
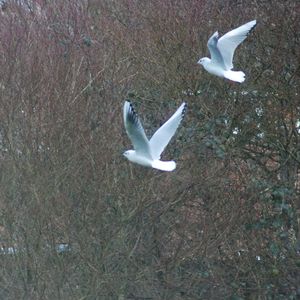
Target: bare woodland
(223, 225)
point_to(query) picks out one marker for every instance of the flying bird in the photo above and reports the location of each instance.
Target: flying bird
(147, 152)
(222, 50)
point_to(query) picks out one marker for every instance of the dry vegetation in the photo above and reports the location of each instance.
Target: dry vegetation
(224, 225)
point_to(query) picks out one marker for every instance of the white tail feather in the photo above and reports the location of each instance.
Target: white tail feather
(237, 76)
(164, 165)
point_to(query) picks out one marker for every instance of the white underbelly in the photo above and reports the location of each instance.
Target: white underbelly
(215, 70)
(141, 160)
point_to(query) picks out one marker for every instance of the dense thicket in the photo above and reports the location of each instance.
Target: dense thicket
(224, 225)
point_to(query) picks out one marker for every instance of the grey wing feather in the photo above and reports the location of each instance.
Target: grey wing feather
(215, 53)
(135, 130)
(163, 135)
(230, 41)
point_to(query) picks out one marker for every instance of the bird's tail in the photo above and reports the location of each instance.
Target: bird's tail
(238, 76)
(164, 165)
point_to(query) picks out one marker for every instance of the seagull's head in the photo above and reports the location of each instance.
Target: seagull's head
(203, 61)
(129, 153)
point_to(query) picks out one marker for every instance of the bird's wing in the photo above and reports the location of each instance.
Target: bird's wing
(229, 42)
(163, 135)
(135, 130)
(216, 57)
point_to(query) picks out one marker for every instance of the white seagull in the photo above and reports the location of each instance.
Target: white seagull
(147, 152)
(222, 50)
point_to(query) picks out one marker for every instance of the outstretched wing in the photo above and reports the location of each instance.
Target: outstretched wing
(229, 42)
(135, 130)
(163, 135)
(215, 54)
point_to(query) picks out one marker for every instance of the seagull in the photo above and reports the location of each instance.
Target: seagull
(222, 50)
(147, 152)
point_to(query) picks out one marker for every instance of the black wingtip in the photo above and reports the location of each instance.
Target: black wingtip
(252, 28)
(132, 108)
(128, 100)
(132, 115)
(130, 105)
(184, 109)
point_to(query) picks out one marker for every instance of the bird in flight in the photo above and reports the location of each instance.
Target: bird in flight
(147, 152)
(222, 51)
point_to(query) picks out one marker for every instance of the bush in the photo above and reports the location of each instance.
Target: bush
(80, 222)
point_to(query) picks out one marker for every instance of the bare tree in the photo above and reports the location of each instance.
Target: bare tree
(78, 221)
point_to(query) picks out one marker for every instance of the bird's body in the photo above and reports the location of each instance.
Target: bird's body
(222, 51)
(142, 160)
(212, 68)
(147, 152)
(150, 163)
